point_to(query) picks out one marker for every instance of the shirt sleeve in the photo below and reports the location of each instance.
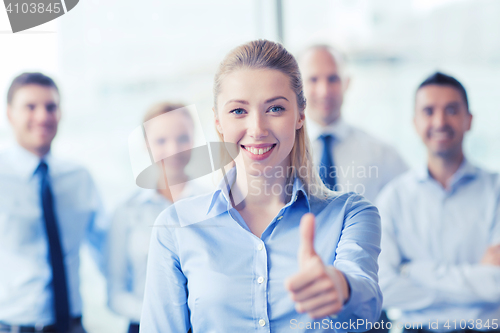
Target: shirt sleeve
(495, 230)
(98, 227)
(463, 283)
(458, 284)
(165, 300)
(356, 257)
(399, 290)
(120, 299)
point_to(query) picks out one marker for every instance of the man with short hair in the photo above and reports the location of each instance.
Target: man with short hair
(47, 207)
(440, 259)
(349, 159)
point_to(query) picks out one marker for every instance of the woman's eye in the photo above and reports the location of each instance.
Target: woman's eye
(237, 111)
(276, 109)
(183, 139)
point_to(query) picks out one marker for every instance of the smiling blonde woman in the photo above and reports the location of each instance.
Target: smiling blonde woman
(289, 254)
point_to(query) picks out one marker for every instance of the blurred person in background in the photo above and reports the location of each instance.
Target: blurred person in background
(170, 131)
(48, 207)
(440, 260)
(348, 158)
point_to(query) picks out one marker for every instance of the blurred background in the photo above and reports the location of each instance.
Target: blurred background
(113, 59)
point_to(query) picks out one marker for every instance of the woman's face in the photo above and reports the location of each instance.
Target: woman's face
(257, 110)
(168, 135)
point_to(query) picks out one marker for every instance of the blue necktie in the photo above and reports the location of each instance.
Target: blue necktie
(327, 170)
(59, 285)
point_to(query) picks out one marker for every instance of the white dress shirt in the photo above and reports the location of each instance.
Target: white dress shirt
(363, 163)
(129, 244)
(26, 295)
(432, 243)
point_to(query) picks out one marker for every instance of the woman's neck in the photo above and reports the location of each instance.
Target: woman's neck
(174, 192)
(265, 190)
(259, 199)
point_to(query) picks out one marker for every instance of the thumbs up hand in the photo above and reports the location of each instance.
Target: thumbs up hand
(316, 289)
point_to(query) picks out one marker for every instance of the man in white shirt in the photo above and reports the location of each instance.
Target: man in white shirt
(440, 259)
(47, 208)
(349, 159)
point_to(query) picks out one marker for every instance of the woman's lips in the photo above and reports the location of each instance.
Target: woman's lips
(259, 152)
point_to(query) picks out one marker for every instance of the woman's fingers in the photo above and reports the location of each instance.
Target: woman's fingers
(321, 291)
(314, 270)
(314, 302)
(314, 289)
(306, 247)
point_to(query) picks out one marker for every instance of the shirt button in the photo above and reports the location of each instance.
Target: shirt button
(262, 322)
(279, 218)
(260, 247)
(260, 279)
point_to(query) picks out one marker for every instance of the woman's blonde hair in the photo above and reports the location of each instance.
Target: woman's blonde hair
(164, 107)
(264, 54)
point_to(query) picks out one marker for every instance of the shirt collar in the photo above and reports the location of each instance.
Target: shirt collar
(339, 129)
(221, 193)
(27, 163)
(220, 198)
(466, 170)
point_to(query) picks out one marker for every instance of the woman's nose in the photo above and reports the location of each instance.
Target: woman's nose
(173, 148)
(257, 128)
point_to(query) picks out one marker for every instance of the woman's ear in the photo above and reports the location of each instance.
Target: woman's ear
(300, 121)
(217, 123)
